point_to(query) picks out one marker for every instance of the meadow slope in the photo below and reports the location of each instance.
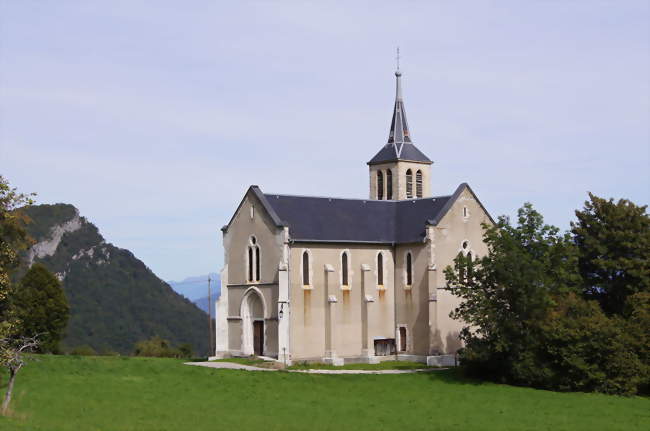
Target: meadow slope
(122, 393)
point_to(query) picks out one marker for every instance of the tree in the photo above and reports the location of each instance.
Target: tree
(529, 322)
(12, 357)
(13, 239)
(41, 307)
(506, 292)
(613, 240)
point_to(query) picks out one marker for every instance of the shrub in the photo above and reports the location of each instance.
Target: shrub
(84, 350)
(185, 350)
(582, 349)
(160, 348)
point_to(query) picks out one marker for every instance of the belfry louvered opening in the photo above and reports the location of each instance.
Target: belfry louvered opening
(380, 185)
(389, 184)
(409, 184)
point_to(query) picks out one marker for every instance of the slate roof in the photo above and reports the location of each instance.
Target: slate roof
(389, 153)
(322, 219)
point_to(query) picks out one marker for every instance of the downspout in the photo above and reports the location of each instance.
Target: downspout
(289, 243)
(395, 300)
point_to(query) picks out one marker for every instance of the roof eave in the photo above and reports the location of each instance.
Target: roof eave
(381, 162)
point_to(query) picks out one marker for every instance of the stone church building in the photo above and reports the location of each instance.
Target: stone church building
(349, 280)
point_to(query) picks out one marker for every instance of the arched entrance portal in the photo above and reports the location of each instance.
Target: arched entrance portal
(252, 314)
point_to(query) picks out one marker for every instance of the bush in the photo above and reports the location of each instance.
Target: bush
(84, 350)
(582, 349)
(185, 350)
(158, 347)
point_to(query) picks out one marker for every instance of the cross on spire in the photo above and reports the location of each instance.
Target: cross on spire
(397, 58)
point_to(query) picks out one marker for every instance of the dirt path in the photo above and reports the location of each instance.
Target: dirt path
(235, 366)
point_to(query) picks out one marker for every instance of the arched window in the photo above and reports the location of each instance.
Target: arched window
(409, 184)
(380, 185)
(305, 268)
(344, 269)
(418, 184)
(250, 263)
(257, 263)
(461, 266)
(254, 263)
(389, 184)
(380, 269)
(409, 269)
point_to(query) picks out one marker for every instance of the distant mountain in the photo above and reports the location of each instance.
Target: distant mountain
(202, 303)
(196, 287)
(115, 299)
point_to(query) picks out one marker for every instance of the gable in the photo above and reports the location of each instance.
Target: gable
(463, 193)
(255, 196)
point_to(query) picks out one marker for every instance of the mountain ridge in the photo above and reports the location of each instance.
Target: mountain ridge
(115, 299)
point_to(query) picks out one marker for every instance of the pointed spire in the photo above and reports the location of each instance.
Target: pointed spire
(397, 149)
(399, 130)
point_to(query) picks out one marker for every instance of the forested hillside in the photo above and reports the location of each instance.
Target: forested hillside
(115, 299)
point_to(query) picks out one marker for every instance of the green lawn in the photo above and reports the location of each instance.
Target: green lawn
(113, 393)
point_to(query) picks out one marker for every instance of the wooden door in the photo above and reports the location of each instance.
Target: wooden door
(258, 337)
(402, 339)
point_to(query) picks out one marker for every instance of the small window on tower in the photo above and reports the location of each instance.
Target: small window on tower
(465, 213)
(389, 184)
(409, 184)
(380, 185)
(418, 184)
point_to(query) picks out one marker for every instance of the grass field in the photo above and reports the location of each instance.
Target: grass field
(114, 393)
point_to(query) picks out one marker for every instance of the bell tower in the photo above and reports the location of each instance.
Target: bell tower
(399, 170)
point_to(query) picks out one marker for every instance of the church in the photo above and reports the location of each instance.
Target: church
(337, 280)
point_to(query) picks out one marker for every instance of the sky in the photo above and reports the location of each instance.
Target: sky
(154, 117)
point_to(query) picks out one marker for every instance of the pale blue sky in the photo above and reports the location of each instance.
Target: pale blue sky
(154, 117)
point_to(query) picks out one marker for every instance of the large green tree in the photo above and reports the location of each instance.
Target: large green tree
(613, 240)
(507, 291)
(13, 239)
(528, 319)
(41, 307)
